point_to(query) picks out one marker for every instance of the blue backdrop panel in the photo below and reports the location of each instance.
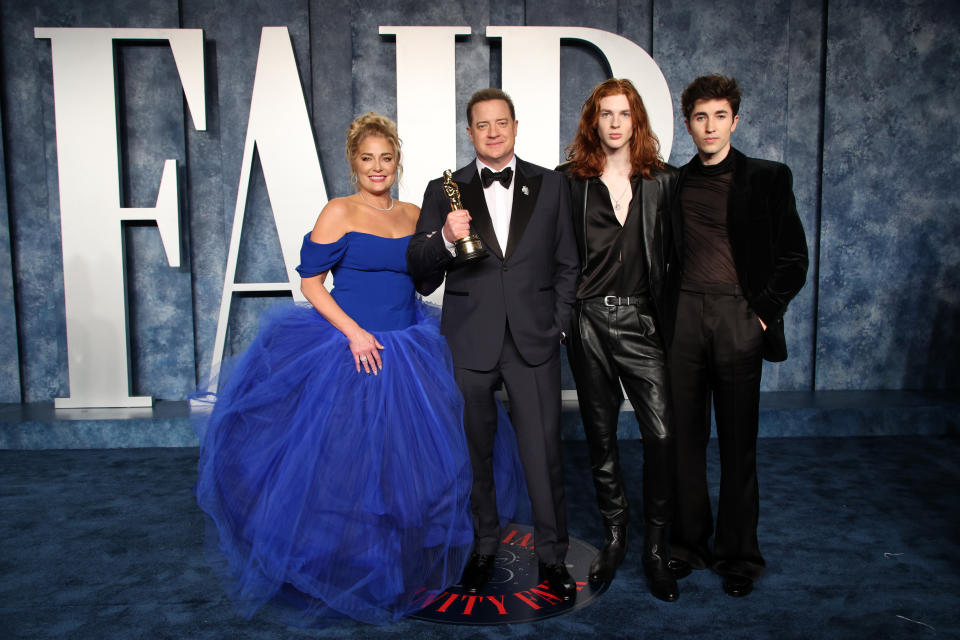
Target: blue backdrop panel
(30, 157)
(753, 43)
(889, 311)
(802, 152)
(331, 59)
(9, 367)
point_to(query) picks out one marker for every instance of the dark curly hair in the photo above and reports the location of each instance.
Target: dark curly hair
(712, 87)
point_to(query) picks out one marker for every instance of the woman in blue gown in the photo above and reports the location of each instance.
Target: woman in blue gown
(333, 464)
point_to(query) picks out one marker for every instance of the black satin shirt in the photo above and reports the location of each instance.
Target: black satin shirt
(615, 263)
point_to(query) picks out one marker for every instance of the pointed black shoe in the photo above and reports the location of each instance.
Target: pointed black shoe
(558, 580)
(656, 559)
(604, 565)
(737, 586)
(477, 573)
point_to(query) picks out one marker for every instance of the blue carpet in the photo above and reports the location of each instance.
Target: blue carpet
(860, 535)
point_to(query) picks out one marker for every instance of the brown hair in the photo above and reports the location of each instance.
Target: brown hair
(586, 153)
(372, 124)
(489, 94)
(712, 87)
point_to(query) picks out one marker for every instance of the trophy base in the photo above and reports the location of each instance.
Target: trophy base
(463, 259)
(469, 250)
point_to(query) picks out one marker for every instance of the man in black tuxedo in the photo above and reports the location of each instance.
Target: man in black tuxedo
(743, 257)
(504, 318)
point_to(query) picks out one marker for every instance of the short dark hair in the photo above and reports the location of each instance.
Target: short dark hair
(489, 94)
(712, 87)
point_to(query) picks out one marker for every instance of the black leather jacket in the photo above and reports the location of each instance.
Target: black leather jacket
(652, 200)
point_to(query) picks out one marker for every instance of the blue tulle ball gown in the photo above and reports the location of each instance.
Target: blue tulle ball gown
(335, 493)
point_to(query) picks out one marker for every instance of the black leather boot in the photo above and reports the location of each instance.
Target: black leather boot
(656, 556)
(604, 565)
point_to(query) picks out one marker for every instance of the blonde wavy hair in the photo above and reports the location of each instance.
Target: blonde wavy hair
(372, 124)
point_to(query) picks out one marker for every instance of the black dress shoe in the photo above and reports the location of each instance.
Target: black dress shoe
(680, 568)
(604, 565)
(477, 573)
(737, 586)
(558, 580)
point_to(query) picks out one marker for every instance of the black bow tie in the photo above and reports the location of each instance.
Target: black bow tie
(503, 177)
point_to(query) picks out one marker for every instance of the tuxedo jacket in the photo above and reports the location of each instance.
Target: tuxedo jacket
(767, 240)
(530, 284)
(651, 201)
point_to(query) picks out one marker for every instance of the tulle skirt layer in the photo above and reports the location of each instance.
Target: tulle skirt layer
(337, 492)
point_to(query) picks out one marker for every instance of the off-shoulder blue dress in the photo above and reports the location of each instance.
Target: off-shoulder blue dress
(337, 493)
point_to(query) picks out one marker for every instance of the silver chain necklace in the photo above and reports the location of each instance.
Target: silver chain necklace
(616, 201)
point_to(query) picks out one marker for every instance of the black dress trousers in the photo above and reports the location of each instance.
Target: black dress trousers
(534, 393)
(716, 351)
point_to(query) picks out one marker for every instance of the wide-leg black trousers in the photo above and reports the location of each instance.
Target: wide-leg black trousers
(716, 351)
(610, 345)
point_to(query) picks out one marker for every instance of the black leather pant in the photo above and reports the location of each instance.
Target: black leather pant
(611, 345)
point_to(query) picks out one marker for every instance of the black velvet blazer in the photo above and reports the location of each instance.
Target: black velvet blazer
(766, 235)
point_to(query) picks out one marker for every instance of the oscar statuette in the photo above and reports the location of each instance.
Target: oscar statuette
(468, 249)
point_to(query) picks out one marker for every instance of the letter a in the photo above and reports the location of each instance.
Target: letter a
(279, 129)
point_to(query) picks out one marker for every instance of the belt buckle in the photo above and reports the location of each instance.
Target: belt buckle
(606, 300)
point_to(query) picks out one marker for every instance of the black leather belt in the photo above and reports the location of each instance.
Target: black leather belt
(617, 301)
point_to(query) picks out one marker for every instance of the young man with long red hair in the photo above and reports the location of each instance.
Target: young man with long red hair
(621, 191)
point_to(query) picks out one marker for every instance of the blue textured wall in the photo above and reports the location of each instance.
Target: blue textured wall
(856, 97)
(9, 358)
(773, 49)
(889, 312)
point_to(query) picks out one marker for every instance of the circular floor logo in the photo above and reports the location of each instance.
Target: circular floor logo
(515, 593)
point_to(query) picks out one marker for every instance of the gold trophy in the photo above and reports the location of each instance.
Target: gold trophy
(469, 248)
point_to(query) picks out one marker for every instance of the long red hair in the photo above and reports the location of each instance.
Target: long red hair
(586, 154)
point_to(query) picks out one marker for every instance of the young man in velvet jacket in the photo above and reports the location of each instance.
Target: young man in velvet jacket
(742, 257)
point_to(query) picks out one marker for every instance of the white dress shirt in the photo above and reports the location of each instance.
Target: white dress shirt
(500, 203)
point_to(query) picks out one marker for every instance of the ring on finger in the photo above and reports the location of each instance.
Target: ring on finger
(363, 358)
